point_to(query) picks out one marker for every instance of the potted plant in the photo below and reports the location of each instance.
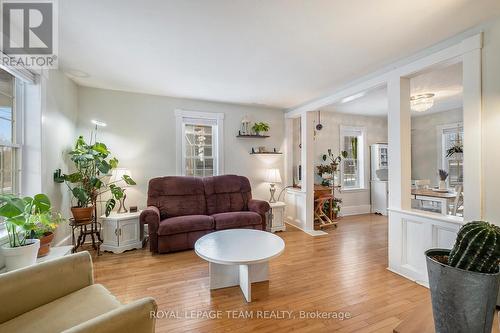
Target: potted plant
(260, 127)
(327, 171)
(21, 216)
(443, 175)
(464, 281)
(455, 149)
(44, 231)
(93, 164)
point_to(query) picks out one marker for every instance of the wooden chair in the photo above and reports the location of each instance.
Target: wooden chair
(319, 215)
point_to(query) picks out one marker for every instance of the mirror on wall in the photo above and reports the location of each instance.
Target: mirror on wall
(437, 137)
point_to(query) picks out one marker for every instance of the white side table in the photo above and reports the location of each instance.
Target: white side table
(276, 217)
(121, 232)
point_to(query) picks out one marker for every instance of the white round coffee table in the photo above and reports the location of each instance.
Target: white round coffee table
(238, 257)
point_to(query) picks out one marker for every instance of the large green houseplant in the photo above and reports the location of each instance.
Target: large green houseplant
(24, 218)
(464, 281)
(93, 163)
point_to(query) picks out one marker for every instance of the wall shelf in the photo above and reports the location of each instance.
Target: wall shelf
(251, 136)
(266, 153)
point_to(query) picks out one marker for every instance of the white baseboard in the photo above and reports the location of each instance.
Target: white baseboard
(313, 233)
(355, 210)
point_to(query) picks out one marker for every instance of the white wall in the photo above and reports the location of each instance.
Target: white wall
(141, 134)
(491, 121)
(59, 114)
(329, 137)
(425, 143)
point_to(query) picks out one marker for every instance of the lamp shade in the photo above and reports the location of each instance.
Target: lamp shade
(273, 176)
(117, 176)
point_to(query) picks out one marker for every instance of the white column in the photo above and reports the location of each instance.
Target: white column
(472, 134)
(307, 161)
(399, 126)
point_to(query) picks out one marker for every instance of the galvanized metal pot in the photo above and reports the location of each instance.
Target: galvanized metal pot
(462, 301)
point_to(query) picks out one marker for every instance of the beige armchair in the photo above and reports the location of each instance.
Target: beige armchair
(60, 296)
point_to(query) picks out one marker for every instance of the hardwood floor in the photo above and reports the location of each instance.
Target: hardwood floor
(343, 272)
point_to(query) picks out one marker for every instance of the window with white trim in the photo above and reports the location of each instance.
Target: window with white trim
(352, 141)
(452, 137)
(10, 134)
(200, 145)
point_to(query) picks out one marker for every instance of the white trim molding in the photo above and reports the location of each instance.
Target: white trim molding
(218, 118)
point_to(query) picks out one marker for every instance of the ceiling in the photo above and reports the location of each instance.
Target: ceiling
(278, 53)
(445, 83)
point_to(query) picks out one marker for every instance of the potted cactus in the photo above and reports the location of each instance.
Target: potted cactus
(464, 281)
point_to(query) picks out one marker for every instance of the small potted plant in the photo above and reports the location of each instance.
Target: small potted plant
(93, 164)
(44, 231)
(443, 175)
(464, 281)
(21, 216)
(260, 127)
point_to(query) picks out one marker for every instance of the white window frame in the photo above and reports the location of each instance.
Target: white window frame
(350, 131)
(17, 136)
(218, 153)
(441, 151)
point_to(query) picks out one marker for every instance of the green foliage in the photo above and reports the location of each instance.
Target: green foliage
(27, 217)
(93, 163)
(260, 127)
(477, 248)
(456, 149)
(331, 167)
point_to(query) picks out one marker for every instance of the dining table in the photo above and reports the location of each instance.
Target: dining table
(434, 195)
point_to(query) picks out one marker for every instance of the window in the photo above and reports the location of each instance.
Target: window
(452, 138)
(352, 140)
(9, 143)
(199, 148)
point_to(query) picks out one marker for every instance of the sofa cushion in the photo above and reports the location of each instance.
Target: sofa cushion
(188, 223)
(234, 220)
(64, 312)
(177, 196)
(228, 193)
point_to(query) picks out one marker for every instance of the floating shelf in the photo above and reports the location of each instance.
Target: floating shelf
(266, 153)
(253, 136)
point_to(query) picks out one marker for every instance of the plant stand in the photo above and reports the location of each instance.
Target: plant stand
(91, 228)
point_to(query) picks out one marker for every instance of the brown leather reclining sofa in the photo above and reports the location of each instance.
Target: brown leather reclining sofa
(182, 209)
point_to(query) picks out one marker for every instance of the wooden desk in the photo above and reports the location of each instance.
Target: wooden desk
(421, 320)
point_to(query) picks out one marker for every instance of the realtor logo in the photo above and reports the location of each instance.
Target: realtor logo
(29, 33)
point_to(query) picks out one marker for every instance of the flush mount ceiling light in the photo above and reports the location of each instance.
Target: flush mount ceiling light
(422, 102)
(99, 123)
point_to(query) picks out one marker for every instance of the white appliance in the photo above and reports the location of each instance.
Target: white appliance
(379, 176)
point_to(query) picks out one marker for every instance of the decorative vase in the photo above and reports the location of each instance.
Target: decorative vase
(81, 214)
(442, 185)
(21, 256)
(462, 301)
(45, 241)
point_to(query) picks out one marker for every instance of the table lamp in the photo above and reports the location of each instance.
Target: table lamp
(117, 179)
(272, 177)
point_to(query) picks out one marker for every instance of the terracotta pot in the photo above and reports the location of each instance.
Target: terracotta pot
(45, 241)
(81, 214)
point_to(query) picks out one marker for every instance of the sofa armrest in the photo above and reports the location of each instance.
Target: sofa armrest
(136, 317)
(151, 217)
(260, 207)
(31, 287)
